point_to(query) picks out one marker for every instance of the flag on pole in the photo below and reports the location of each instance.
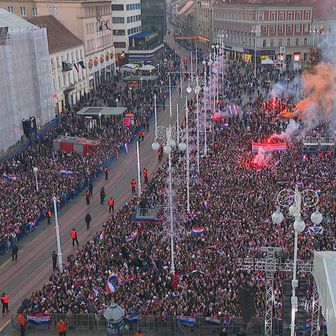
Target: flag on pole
(132, 236)
(227, 320)
(102, 235)
(197, 230)
(8, 177)
(112, 283)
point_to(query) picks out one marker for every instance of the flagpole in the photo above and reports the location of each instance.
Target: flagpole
(58, 238)
(177, 125)
(155, 115)
(139, 173)
(172, 253)
(188, 169)
(170, 97)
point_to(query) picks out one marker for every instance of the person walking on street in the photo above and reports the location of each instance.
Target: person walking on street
(88, 219)
(106, 173)
(61, 328)
(145, 174)
(15, 251)
(133, 186)
(5, 302)
(111, 204)
(87, 197)
(22, 323)
(90, 188)
(74, 237)
(54, 260)
(49, 215)
(102, 195)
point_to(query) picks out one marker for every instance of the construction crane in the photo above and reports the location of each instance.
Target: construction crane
(269, 264)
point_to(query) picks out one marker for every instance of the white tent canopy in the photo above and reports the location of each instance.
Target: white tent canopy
(324, 272)
(147, 67)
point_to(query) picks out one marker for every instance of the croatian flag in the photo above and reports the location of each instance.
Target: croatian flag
(102, 235)
(126, 148)
(188, 320)
(39, 319)
(197, 230)
(31, 225)
(66, 172)
(225, 124)
(132, 317)
(315, 230)
(112, 283)
(9, 177)
(132, 236)
(212, 321)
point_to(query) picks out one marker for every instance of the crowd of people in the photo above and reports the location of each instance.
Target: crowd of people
(21, 206)
(232, 200)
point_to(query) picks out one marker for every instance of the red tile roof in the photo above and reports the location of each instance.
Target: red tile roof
(59, 37)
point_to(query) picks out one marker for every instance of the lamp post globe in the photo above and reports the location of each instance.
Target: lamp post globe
(292, 210)
(167, 149)
(189, 89)
(155, 146)
(204, 62)
(35, 170)
(277, 217)
(316, 217)
(182, 147)
(299, 225)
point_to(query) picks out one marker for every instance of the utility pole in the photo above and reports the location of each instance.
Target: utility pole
(58, 237)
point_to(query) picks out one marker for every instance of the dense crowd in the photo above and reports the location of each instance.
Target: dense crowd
(20, 205)
(232, 198)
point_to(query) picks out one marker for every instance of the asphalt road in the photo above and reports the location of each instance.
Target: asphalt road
(33, 268)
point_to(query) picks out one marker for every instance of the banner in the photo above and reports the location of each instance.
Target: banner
(197, 230)
(268, 148)
(112, 283)
(39, 319)
(8, 177)
(188, 320)
(315, 230)
(66, 172)
(212, 321)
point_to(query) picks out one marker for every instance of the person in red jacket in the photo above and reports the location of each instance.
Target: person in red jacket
(110, 203)
(133, 186)
(49, 215)
(74, 237)
(145, 174)
(5, 303)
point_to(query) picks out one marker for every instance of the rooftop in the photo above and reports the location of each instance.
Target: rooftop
(12, 21)
(324, 10)
(267, 2)
(59, 37)
(103, 111)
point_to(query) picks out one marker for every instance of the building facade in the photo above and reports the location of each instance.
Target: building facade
(126, 21)
(265, 28)
(23, 8)
(90, 21)
(25, 77)
(69, 72)
(203, 18)
(153, 16)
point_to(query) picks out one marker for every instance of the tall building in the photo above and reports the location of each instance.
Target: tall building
(203, 18)
(265, 28)
(25, 77)
(153, 16)
(90, 21)
(70, 80)
(126, 21)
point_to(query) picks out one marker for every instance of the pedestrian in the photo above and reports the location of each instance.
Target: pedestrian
(22, 323)
(111, 204)
(74, 237)
(133, 186)
(145, 174)
(106, 173)
(49, 214)
(5, 302)
(102, 195)
(54, 260)
(88, 219)
(147, 126)
(90, 188)
(15, 251)
(61, 328)
(139, 333)
(87, 197)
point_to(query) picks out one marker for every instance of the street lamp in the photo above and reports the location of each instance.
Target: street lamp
(167, 135)
(255, 31)
(117, 101)
(295, 201)
(99, 115)
(35, 170)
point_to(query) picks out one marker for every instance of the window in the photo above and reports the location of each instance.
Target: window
(297, 28)
(288, 42)
(281, 29)
(306, 28)
(272, 43)
(289, 29)
(272, 30)
(298, 16)
(34, 11)
(23, 11)
(10, 9)
(281, 16)
(297, 42)
(307, 15)
(305, 41)
(272, 16)
(120, 44)
(119, 32)
(260, 16)
(117, 8)
(265, 30)
(264, 43)
(118, 19)
(280, 42)
(290, 16)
